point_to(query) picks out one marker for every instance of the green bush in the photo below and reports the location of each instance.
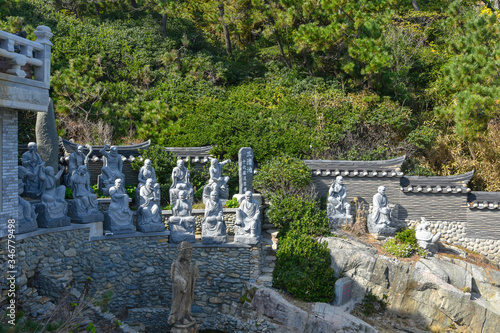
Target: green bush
(303, 268)
(284, 174)
(233, 203)
(404, 244)
(407, 236)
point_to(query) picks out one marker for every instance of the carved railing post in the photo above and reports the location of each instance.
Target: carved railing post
(43, 34)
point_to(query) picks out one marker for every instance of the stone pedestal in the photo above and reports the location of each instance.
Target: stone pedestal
(146, 223)
(182, 231)
(83, 217)
(45, 221)
(25, 226)
(247, 239)
(118, 227)
(214, 239)
(340, 220)
(189, 328)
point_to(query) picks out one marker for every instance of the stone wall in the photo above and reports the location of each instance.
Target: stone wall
(135, 270)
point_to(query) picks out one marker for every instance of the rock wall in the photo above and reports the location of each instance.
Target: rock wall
(135, 271)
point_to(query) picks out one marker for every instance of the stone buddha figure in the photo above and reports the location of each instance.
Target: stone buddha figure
(337, 199)
(181, 224)
(149, 213)
(217, 182)
(379, 222)
(77, 159)
(27, 215)
(213, 227)
(111, 170)
(84, 206)
(118, 218)
(247, 225)
(53, 195)
(32, 161)
(180, 182)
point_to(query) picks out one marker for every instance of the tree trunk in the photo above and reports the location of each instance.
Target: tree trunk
(306, 62)
(280, 45)
(415, 5)
(225, 30)
(164, 25)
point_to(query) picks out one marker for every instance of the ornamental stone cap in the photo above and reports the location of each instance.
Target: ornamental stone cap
(380, 168)
(437, 184)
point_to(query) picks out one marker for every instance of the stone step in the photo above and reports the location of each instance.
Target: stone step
(267, 269)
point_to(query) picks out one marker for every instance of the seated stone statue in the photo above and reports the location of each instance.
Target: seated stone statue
(247, 224)
(27, 216)
(180, 182)
(379, 222)
(118, 218)
(32, 161)
(53, 209)
(425, 238)
(213, 227)
(145, 172)
(111, 170)
(217, 182)
(149, 213)
(337, 199)
(77, 159)
(181, 224)
(84, 206)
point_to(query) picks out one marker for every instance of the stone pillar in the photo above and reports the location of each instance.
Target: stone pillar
(47, 139)
(245, 166)
(43, 35)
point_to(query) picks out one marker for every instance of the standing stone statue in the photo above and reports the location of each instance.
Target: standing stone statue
(118, 218)
(180, 182)
(84, 206)
(145, 172)
(149, 213)
(338, 209)
(77, 159)
(213, 227)
(27, 216)
(182, 225)
(32, 161)
(245, 169)
(425, 238)
(217, 182)
(111, 170)
(53, 208)
(184, 274)
(379, 222)
(247, 225)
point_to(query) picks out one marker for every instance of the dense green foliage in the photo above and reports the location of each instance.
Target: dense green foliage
(404, 244)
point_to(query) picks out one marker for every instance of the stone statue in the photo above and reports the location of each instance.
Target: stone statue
(217, 182)
(379, 222)
(53, 208)
(32, 161)
(77, 159)
(338, 209)
(27, 216)
(247, 224)
(145, 172)
(84, 206)
(180, 182)
(118, 218)
(213, 227)
(182, 225)
(425, 238)
(149, 213)
(111, 170)
(184, 274)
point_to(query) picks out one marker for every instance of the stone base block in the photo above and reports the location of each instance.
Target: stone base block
(338, 221)
(179, 233)
(343, 291)
(247, 239)
(87, 217)
(25, 226)
(118, 227)
(45, 221)
(214, 239)
(150, 227)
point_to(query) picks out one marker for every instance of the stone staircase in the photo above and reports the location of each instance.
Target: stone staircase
(268, 258)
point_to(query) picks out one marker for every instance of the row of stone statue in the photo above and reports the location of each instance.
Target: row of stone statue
(53, 209)
(379, 223)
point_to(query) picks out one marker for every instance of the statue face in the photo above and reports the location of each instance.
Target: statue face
(49, 171)
(187, 254)
(180, 163)
(114, 151)
(147, 163)
(32, 147)
(118, 183)
(248, 195)
(149, 183)
(339, 180)
(182, 195)
(213, 196)
(381, 190)
(214, 162)
(79, 149)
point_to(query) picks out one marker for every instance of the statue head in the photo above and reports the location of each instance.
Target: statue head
(214, 161)
(182, 195)
(381, 190)
(79, 149)
(49, 171)
(339, 180)
(180, 163)
(113, 150)
(32, 147)
(185, 251)
(118, 183)
(248, 195)
(147, 163)
(82, 170)
(149, 183)
(214, 195)
(20, 187)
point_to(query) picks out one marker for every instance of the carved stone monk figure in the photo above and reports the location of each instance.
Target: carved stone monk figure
(184, 274)
(247, 225)
(379, 222)
(84, 206)
(182, 225)
(337, 199)
(27, 215)
(213, 227)
(180, 182)
(77, 159)
(53, 196)
(32, 161)
(217, 182)
(111, 170)
(118, 218)
(149, 213)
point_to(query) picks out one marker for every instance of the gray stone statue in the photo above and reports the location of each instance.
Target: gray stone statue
(111, 170)
(379, 222)
(182, 225)
(32, 161)
(247, 224)
(145, 172)
(217, 182)
(149, 212)
(118, 219)
(213, 227)
(84, 206)
(180, 182)
(53, 208)
(184, 273)
(337, 208)
(425, 238)
(77, 159)
(27, 216)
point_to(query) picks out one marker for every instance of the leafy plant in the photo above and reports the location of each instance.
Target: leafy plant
(404, 244)
(233, 203)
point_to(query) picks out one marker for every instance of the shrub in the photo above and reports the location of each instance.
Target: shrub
(284, 174)
(404, 244)
(303, 268)
(233, 203)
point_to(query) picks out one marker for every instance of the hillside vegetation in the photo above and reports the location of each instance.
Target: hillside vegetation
(336, 79)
